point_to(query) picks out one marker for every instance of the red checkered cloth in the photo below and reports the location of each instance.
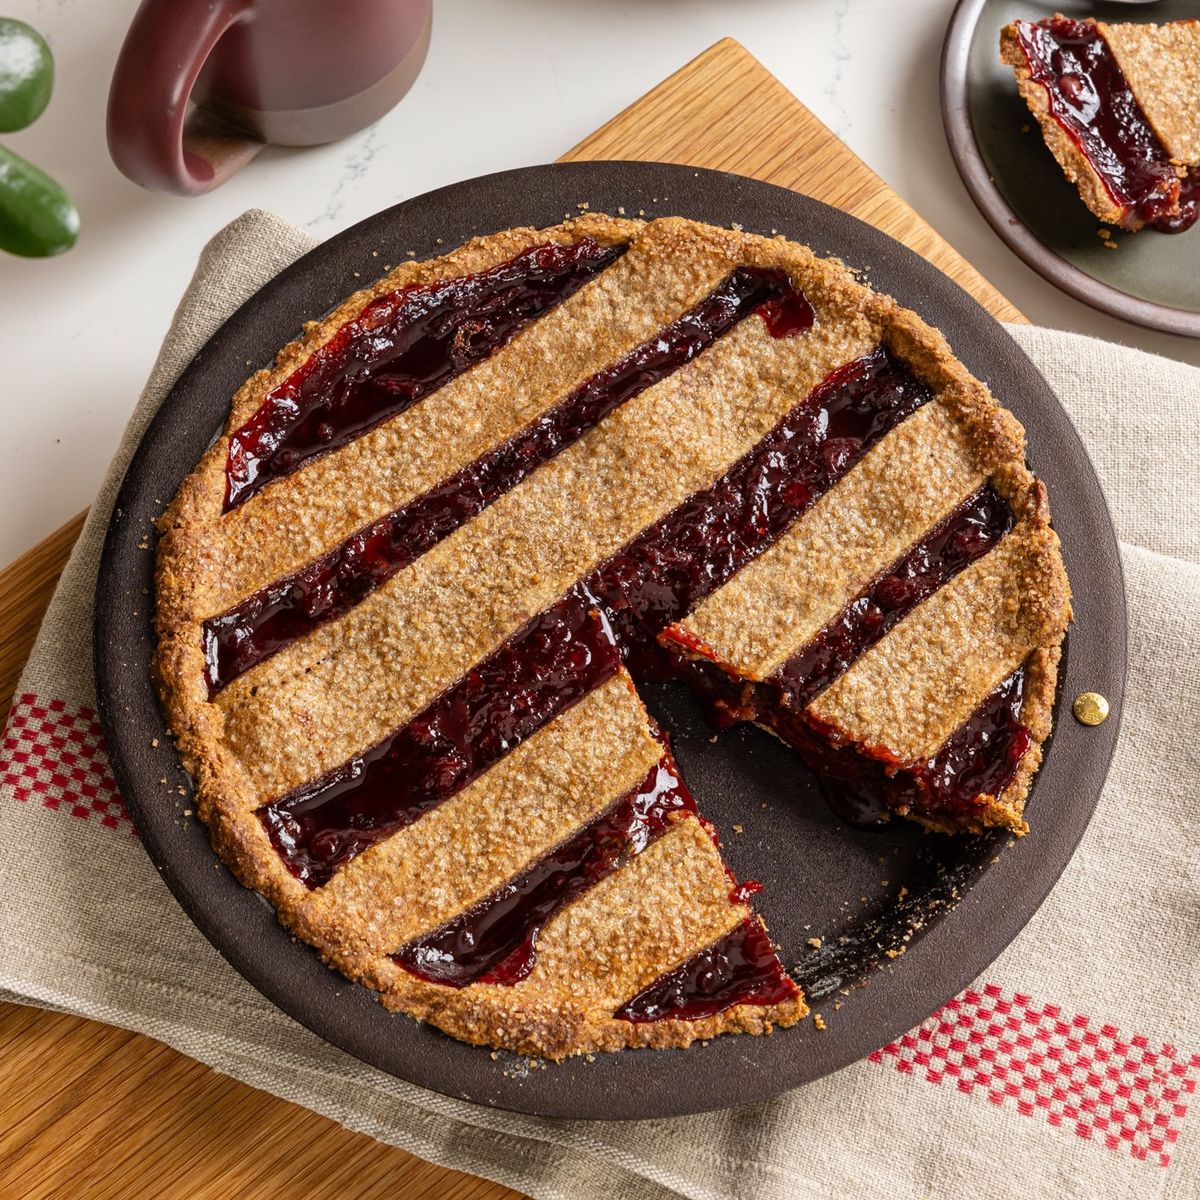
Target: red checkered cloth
(1068, 1072)
(54, 756)
(1124, 1091)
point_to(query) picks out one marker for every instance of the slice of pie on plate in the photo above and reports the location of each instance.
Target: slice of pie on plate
(1119, 108)
(405, 601)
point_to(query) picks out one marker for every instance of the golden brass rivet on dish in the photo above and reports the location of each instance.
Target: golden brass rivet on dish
(1090, 708)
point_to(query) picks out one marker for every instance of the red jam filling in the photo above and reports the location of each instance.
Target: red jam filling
(551, 662)
(739, 968)
(296, 604)
(495, 941)
(864, 785)
(979, 759)
(787, 311)
(400, 348)
(664, 572)
(1092, 101)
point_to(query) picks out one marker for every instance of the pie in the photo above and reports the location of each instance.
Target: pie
(1119, 107)
(405, 601)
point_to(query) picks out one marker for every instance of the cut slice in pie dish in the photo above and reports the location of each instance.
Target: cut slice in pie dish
(405, 603)
(1119, 107)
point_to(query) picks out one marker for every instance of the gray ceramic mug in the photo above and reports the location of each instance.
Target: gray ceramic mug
(291, 72)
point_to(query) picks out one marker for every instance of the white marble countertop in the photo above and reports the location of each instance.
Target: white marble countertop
(508, 83)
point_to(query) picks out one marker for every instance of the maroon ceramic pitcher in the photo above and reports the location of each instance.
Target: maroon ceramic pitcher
(292, 72)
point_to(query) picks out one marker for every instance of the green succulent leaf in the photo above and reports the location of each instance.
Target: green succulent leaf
(37, 217)
(26, 75)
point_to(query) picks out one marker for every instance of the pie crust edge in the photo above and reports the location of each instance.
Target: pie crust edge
(480, 1014)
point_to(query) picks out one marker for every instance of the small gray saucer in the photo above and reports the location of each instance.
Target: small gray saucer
(1151, 278)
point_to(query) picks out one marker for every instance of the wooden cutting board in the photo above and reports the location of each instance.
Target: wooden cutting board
(90, 1111)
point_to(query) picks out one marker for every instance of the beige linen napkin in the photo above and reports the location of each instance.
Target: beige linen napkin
(1066, 1071)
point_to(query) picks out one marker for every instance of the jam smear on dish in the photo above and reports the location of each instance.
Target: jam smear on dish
(495, 941)
(551, 662)
(401, 347)
(293, 606)
(1092, 102)
(1189, 206)
(741, 892)
(670, 567)
(739, 968)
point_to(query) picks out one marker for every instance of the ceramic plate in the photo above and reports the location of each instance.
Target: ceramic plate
(822, 879)
(1151, 278)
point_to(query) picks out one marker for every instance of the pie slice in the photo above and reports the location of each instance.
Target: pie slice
(405, 600)
(1119, 107)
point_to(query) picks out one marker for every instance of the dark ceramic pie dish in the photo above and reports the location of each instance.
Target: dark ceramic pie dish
(969, 897)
